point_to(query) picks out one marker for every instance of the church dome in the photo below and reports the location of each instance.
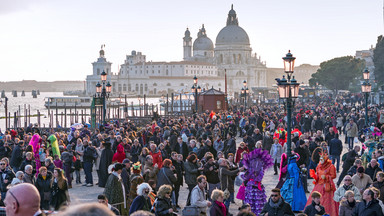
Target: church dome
(202, 41)
(232, 34)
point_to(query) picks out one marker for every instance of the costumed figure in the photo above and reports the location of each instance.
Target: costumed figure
(323, 180)
(293, 190)
(283, 170)
(52, 140)
(280, 134)
(256, 162)
(367, 156)
(135, 179)
(35, 143)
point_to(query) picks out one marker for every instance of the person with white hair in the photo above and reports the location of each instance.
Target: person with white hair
(28, 175)
(18, 179)
(142, 201)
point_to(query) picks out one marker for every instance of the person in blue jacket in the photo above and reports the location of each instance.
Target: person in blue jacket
(293, 190)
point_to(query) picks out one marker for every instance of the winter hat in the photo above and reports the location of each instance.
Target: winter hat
(126, 160)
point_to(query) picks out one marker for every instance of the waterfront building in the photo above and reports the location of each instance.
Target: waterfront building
(231, 55)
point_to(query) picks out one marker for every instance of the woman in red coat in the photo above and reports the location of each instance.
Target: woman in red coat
(119, 156)
(240, 150)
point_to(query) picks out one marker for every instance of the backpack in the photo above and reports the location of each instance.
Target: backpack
(344, 157)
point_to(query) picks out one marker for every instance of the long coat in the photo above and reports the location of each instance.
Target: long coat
(105, 161)
(60, 196)
(44, 188)
(114, 192)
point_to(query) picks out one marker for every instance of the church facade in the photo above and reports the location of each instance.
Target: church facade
(231, 55)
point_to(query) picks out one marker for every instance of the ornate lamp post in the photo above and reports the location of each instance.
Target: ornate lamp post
(196, 89)
(288, 90)
(102, 91)
(244, 92)
(366, 89)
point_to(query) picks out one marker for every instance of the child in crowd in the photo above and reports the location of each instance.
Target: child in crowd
(58, 163)
(77, 166)
(42, 154)
(315, 208)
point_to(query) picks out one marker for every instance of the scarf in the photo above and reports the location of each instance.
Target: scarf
(222, 207)
(351, 204)
(348, 187)
(275, 205)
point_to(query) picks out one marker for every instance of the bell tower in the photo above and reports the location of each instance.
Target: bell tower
(187, 45)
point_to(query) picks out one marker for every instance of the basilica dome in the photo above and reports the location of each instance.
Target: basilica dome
(202, 41)
(232, 34)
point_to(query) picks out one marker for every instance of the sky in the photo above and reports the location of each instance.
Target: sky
(49, 40)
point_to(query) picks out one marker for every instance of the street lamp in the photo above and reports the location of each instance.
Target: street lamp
(196, 89)
(366, 89)
(244, 92)
(103, 91)
(288, 90)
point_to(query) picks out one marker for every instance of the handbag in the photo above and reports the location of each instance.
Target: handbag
(241, 193)
(47, 196)
(190, 211)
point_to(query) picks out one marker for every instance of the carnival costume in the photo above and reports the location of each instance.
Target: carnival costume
(323, 180)
(55, 146)
(35, 143)
(283, 170)
(367, 156)
(293, 190)
(256, 162)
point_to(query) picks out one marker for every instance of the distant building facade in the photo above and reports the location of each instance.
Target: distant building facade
(367, 56)
(231, 55)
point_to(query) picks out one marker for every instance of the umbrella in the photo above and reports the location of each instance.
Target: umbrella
(77, 126)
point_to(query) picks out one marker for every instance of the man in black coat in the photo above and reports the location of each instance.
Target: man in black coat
(17, 156)
(229, 145)
(303, 151)
(348, 163)
(211, 171)
(276, 205)
(335, 149)
(181, 147)
(369, 206)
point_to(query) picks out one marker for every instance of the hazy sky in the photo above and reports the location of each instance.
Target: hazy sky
(58, 40)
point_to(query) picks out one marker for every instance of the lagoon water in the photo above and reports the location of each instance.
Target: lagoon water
(16, 103)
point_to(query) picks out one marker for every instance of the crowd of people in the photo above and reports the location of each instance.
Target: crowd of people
(142, 168)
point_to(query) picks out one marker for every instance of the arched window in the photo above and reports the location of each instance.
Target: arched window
(137, 87)
(221, 58)
(168, 84)
(98, 71)
(129, 87)
(239, 59)
(234, 58)
(166, 72)
(146, 88)
(124, 87)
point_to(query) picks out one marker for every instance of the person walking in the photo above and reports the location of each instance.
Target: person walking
(60, 195)
(88, 158)
(276, 152)
(114, 189)
(276, 205)
(351, 131)
(335, 149)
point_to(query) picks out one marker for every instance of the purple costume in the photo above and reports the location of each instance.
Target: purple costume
(256, 162)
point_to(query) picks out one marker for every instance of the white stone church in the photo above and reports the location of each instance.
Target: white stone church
(232, 53)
